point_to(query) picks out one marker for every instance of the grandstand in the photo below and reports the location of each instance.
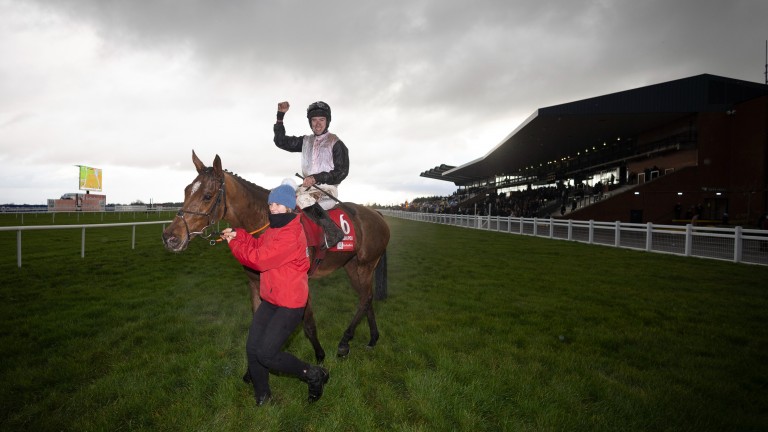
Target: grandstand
(688, 149)
(78, 202)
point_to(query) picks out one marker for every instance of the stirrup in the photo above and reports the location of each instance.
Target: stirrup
(325, 242)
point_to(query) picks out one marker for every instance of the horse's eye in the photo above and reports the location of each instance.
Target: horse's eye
(207, 197)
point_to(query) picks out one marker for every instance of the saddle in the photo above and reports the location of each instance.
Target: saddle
(316, 236)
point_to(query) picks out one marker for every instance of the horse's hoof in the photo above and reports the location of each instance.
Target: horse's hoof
(263, 399)
(320, 356)
(343, 351)
(370, 347)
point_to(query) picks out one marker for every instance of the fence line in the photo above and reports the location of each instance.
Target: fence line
(108, 209)
(155, 212)
(19, 229)
(736, 244)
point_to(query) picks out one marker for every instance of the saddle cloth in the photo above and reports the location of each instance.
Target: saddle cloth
(316, 238)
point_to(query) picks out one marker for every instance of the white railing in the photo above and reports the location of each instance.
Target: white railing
(736, 244)
(109, 209)
(19, 229)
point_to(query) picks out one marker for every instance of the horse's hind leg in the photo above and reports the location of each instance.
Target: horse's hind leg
(378, 275)
(310, 331)
(362, 307)
(361, 278)
(372, 325)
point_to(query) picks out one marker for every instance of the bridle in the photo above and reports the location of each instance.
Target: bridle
(221, 198)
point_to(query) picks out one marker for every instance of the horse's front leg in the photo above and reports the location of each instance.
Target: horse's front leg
(253, 285)
(254, 279)
(310, 331)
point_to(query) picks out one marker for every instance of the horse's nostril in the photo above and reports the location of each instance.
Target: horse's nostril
(170, 239)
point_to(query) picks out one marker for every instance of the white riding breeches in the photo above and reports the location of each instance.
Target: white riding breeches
(306, 197)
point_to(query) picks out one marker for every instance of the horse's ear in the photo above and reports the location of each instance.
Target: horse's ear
(198, 163)
(217, 167)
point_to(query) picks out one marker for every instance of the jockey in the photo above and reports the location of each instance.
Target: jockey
(324, 164)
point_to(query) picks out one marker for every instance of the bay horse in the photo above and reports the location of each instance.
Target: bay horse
(217, 195)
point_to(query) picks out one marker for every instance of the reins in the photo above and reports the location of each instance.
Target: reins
(251, 233)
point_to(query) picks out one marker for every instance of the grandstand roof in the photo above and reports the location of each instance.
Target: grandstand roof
(563, 130)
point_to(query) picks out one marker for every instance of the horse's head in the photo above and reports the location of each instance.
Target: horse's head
(205, 202)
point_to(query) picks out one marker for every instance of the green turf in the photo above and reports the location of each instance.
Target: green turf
(482, 331)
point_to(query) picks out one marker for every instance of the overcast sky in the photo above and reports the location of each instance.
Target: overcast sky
(133, 87)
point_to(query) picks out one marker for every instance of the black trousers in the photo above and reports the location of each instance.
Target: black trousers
(270, 328)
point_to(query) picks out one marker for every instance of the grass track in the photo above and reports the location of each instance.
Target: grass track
(482, 331)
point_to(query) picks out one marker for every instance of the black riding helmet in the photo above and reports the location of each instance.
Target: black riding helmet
(319, 109)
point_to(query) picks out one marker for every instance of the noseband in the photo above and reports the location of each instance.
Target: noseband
(221, 198)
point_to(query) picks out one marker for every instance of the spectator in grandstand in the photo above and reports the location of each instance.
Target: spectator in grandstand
(598, 190)
(280, 254)
(324, 165)
(695, 219)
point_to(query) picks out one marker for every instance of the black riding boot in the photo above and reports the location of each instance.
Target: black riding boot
(333, 234)
(315, 377)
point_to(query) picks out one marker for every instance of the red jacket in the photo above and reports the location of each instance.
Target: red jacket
(280, 254)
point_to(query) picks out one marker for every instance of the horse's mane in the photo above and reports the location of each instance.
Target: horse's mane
(247, 183)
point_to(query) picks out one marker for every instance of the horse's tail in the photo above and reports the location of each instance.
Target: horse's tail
(381, 278)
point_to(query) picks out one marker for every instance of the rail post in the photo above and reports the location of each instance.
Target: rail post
(737, 245)
(649, 237)
(18, 248)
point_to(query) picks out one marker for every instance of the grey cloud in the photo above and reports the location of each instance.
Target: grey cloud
(403, 74)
